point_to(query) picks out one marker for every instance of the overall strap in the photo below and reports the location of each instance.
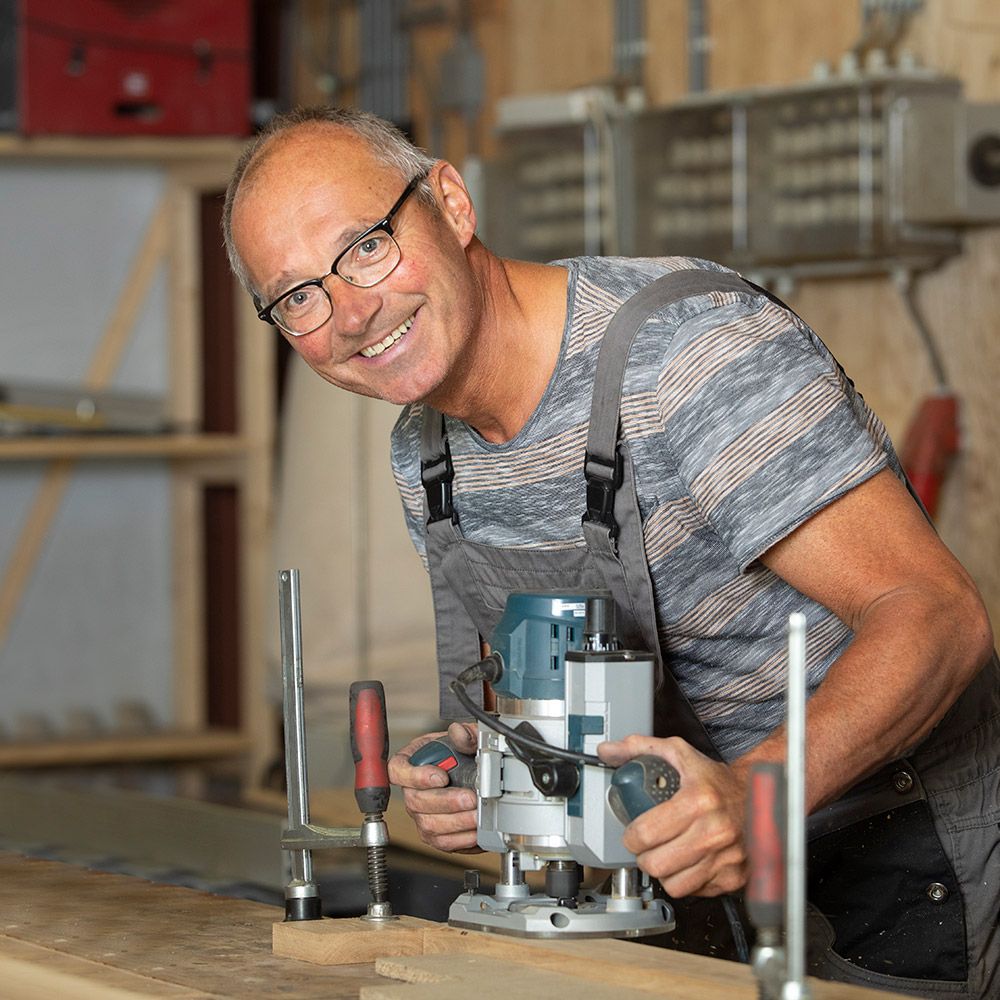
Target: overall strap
(436, 469)
(603, 463)
(609, 477)
(456, 634)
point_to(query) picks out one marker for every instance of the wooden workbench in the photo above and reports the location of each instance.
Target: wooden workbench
(69, 932)
(113, 936)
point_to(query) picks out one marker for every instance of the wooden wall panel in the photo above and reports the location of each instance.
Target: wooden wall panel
(556, 45)
(666, 71)
(775, 42)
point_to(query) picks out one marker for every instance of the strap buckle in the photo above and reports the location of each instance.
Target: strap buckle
(437, 474)
(603, 480)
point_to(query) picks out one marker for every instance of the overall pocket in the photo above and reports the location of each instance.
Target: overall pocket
(890, 898)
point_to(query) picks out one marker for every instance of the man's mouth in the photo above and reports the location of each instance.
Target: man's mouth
(384, 345)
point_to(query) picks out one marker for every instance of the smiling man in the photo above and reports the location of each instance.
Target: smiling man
(748, 479)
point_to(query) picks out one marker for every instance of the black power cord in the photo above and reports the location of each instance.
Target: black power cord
(490, 669)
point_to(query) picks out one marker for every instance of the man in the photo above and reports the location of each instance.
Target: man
(756, 482)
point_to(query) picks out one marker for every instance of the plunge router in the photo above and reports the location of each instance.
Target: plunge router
(545, 800)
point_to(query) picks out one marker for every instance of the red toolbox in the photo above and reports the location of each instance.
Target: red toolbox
(125, 67)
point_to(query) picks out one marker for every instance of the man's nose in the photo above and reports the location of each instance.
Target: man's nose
(354, 307)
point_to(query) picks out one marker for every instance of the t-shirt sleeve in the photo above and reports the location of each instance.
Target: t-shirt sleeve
(762, 424)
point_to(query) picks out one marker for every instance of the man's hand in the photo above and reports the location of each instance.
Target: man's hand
(444, 817)
(693, 843)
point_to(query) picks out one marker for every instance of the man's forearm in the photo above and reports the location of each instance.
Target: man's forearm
(910, 659)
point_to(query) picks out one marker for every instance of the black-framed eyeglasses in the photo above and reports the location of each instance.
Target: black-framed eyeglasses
(365, 261)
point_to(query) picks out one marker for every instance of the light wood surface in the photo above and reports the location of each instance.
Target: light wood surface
(81, 934)
(125, 933)
(460, 963)
(431, 978)
(347, 941)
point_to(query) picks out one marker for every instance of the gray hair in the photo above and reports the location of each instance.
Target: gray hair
(388, 144)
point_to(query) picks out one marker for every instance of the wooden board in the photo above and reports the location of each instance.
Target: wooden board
(437, 977)
(592, 968)
(347, 941)
(205, 744)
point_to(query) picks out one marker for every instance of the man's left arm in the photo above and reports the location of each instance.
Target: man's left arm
(920, 635)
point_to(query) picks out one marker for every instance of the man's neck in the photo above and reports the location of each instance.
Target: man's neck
(514, 349)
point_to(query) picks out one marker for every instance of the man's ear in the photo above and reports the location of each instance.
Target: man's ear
(454, 201)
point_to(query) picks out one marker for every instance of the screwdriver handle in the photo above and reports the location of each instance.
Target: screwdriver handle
(370, 746)
(765, 893)
(641, 783)
(459, 767)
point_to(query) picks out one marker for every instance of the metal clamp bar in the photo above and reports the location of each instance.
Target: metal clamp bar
(795, 987)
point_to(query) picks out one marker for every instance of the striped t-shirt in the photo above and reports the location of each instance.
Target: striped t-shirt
(740, 425)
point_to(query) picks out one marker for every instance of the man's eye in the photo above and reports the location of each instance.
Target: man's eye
(371, 248)
(299, 301)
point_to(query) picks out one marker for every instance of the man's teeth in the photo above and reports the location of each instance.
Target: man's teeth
(384, 345)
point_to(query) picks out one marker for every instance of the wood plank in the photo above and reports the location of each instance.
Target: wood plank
(195, 745)
(122, 446)
(348, 941)
(650, 969)
(461, 976)
(124, 148)
(596, 966)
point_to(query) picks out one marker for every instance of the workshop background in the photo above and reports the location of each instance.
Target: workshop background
(163, 457)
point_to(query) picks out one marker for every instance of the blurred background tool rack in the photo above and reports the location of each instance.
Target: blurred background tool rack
(208, 478)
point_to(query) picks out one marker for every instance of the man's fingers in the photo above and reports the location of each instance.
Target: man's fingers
(404, 774)
(437, 801)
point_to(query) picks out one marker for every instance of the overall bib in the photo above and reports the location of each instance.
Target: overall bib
(852, 838)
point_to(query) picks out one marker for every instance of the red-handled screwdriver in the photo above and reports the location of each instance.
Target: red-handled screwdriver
(370, 749)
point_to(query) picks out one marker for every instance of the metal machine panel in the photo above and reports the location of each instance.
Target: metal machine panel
(807, 176)
(950, 162)
(548, 190)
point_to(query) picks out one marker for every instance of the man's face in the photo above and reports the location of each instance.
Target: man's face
(314, 191)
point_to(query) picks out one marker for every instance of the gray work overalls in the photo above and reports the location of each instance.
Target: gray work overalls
(878, 847)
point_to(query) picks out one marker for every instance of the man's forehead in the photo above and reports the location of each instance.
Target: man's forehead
(330, 148)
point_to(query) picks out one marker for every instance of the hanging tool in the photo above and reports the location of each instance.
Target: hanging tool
(776, 832)
(370, 746)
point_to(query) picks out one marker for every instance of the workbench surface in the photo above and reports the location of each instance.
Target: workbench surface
(85, 935)
(129, 937)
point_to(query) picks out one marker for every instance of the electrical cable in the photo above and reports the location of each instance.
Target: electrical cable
(906, 282)
(491, 669)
